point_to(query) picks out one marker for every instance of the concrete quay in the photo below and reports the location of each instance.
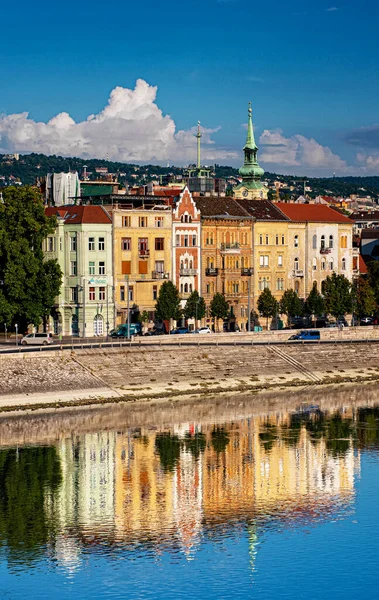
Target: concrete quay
(151, 372)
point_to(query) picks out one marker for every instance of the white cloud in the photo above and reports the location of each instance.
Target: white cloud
(332, 9)
(131, 128)
(297, 151)
(369, 162)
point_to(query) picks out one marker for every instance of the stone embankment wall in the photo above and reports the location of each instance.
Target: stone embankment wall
(154, 372)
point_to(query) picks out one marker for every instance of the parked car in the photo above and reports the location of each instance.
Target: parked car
(331, 325)
(122, 330)
(342, 321)
(306, 335)
(366, 321)
(180, 330)
(154, 332)
(203, 330)
(37, 339)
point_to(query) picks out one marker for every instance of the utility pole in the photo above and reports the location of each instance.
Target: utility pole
(249, 304)
(198, 136)
(127, 307)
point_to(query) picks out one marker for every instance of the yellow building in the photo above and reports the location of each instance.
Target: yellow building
(142, 234)
(270, 248)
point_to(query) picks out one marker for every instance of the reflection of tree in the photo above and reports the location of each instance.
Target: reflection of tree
(168, 448)
(368, 428)
(27, 477)
(195, 443)
(219, 439)
(337, 434)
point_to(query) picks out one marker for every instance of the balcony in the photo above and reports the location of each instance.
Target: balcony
(187, 272)
(160, 275)
(184, 295)
(355, 251)
(143, 253)
(325, 250)
(230, 248)
(247, 272)
(298, 273)
(211, 272)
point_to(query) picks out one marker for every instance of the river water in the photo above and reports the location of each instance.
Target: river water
(257, 497)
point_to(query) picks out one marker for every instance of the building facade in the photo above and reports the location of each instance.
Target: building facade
(320, 242)
(186, 255)
(82, 245)
(142, 234)
(227, 260)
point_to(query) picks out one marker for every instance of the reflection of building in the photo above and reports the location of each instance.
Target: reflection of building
(82, 245)
(124, 487)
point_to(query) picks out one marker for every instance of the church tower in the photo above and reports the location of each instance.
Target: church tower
(251, 187)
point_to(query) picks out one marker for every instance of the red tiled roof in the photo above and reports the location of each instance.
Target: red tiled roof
(315, 213)
(79, 214)
(362, 265)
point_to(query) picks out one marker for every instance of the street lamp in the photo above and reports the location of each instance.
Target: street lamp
(16, 327)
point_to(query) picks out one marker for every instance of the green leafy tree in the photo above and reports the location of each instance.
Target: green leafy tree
(315, 304)
(29, 481)
(219, 307)
(143, 317)
(337, 293)
(373, 277)
(195, 307)
(267, 305)
(29, 284)
(291, 305)
(363, 298)
(168, 303)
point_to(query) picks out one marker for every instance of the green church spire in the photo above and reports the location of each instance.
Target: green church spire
(250, 169)
(251, 186)
(250, 140)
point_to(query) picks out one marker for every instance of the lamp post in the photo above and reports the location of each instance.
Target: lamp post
(16, 327)
(127, 307)
(5, 330)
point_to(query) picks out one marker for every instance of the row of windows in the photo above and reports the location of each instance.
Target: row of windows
(93, 268)
(94, 293)
(126, 267)
(228, 238)
(229, 262)
(142, 221)
(126, 244)
(186, 240)
(264, 260)
(265, 238)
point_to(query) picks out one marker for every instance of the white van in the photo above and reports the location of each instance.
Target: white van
(37, 339)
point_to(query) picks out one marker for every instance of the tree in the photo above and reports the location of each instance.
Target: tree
(363, 298)
(195, 307)
(373, 277)
(315, 304)
(336, 290)
(143, 318)
(291, 305)
(168, 303)
(29, 284)
(219, 307)
(267, 305)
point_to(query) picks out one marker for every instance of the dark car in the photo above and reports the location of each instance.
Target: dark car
(180, 330)
(306, 335)
(366, 321)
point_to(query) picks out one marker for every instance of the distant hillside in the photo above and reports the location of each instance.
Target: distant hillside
(31, 166)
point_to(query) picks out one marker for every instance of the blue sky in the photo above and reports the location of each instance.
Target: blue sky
(310, 70)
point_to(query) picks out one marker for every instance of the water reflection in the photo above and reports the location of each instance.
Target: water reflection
(147, 490)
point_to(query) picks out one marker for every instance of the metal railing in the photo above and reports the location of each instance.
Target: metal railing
(187, 272)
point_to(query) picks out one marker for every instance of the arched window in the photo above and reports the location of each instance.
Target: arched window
(296, 241)
(261, 239)
(181, 288)
(267, 240)
(323, 265)
(314, 242)
(314, 266)
(98, 325)
(322, 242)
(331, 265)
(190, 288)
(189, 219)
(331, 241)
(296, 264)
(186, 288)
(277, 239)
(297, 286)
(344, 264)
